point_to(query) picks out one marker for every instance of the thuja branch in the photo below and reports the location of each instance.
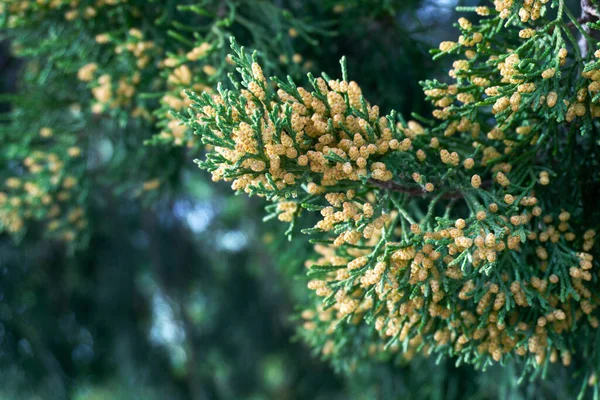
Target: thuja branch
(506, 274)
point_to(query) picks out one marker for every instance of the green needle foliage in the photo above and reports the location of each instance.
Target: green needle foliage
(469, 235)
(127, 63)
(449, 247)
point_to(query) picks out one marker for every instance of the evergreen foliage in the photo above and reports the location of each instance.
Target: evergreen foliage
(454, 238)
(471, 235)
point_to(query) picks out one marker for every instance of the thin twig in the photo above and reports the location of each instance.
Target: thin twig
(394, 187)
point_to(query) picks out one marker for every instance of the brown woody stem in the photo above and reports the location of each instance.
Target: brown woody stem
(394, 187)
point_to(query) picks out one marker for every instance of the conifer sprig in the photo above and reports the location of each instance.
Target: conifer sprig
(446, 237)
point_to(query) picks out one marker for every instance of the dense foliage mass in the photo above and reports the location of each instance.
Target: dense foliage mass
(472, 234)
(462, 231)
